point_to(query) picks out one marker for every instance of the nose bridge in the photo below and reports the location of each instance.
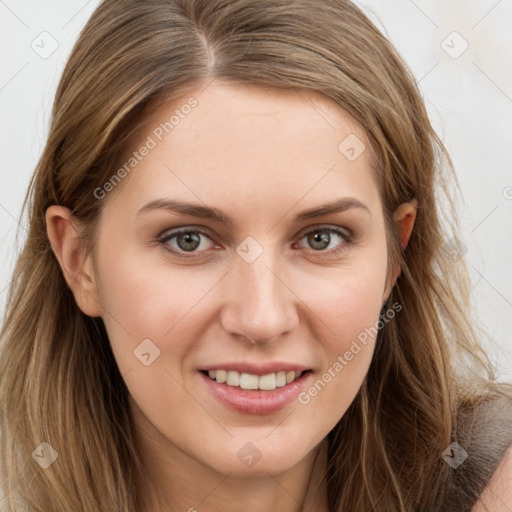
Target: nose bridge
(260, 306)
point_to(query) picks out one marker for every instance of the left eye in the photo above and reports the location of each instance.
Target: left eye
(319, 237)
(189, 240)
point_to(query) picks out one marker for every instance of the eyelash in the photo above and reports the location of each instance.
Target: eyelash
(346, 236)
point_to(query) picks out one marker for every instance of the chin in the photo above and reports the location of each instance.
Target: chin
(257, 458)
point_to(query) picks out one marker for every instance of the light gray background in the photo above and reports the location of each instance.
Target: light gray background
(468, 96)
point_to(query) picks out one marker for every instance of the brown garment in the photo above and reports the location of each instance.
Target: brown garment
(484, 431)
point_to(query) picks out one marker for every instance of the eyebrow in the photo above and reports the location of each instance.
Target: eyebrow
(216, 215)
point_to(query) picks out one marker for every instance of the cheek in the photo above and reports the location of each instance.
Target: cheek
(149, 316)
(143, 298)
(348, 308)
(350, 304)
(349, 300)
(143, 290)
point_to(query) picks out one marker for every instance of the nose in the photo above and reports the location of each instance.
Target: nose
(260, 304)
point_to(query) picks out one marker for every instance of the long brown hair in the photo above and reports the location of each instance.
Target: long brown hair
(58, 378)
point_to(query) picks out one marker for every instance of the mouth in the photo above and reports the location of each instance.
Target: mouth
(260, 392)
(256, 387)
(249, 381)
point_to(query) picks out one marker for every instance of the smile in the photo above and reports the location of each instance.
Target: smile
(250, 381)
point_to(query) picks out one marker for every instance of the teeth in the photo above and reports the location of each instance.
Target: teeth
(267, 382)
(233, 379)
(250, 381)
(280, 379)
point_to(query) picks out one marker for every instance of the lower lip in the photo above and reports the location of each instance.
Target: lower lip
(254, 401)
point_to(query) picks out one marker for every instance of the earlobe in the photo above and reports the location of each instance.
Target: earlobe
(63, 231)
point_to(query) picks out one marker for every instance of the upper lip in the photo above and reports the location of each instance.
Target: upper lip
(257, 369)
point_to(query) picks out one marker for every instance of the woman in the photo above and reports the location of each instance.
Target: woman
(235, 292)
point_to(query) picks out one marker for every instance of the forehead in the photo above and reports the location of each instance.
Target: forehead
(250, 141)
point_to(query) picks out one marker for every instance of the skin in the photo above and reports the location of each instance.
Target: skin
(262, 157)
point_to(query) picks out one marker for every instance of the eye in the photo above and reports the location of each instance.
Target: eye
(321, 237)
(190, 240)
(187, 240)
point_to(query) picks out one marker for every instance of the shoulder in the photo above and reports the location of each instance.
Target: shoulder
(483, 431)
(497, 496)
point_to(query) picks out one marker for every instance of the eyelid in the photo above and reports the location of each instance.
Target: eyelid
(168, 234)
(318, 227)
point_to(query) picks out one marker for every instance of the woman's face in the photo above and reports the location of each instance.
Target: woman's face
(255, 295)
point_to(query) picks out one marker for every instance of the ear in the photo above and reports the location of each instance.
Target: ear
(63, 230)
(404, 218)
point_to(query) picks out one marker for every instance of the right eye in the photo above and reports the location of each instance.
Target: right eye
(186, 241)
